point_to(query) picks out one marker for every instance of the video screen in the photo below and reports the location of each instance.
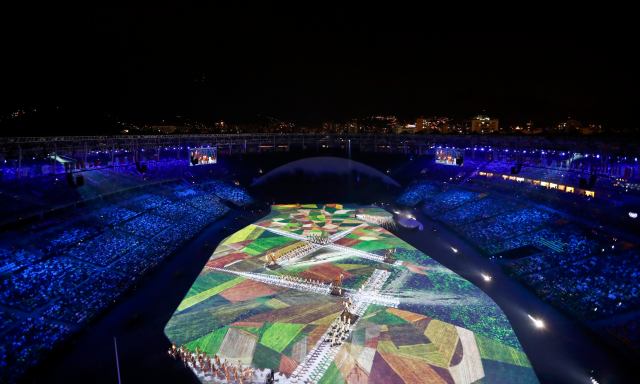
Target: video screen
(203, 156)
(449, 156)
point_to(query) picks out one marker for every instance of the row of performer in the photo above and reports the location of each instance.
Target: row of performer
(322, 239)
(302, 280)
(339, 330)
(298, 252)
(202, 363)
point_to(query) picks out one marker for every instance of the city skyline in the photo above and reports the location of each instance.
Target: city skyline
(313, 66)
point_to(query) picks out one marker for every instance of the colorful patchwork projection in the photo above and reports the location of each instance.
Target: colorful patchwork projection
(266, 299)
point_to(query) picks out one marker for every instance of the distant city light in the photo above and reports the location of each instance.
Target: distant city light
(536, 322)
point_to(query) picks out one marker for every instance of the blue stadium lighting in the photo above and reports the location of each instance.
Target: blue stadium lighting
(486, 221)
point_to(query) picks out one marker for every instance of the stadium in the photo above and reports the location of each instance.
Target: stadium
(319, 258)
(312, 193)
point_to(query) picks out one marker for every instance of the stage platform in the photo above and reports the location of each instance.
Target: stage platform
(412, 319)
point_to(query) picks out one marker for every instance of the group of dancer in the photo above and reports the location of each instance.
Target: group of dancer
(202, 363)
(380, 220)
(322, 239)
(297, 252)
(300, 280)
(340, 328)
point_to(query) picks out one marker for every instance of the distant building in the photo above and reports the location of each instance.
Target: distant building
(378, 125)
(353, 127)
(484, 124)
(433, 124)
(591, 129)
(527, 129)
(406, 128)
(220, 126)
(164, 129)
(568, 126)
(422, 124)
(573, 126)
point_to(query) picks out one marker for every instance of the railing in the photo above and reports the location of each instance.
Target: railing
(585, 144)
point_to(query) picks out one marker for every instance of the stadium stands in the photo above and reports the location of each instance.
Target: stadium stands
(582, 270)
(57, 276)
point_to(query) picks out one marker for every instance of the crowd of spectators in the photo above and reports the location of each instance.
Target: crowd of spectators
(490, 233)
(62, 275)
(481, 209)
(559, 246)
(566, 262)
(417, 193)
(446, 201)
(12, 259)
(227, 192)
(20, 345)
(33, 194)
(596, 287)
(112, 215)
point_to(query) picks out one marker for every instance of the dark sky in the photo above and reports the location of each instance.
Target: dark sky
(316, 63)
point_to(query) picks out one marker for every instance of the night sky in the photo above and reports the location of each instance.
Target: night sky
(313, 64)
